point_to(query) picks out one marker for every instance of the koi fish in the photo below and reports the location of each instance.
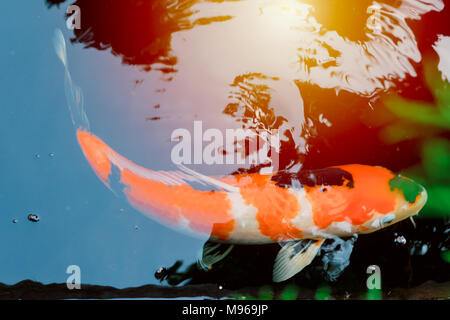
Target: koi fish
(299, 211)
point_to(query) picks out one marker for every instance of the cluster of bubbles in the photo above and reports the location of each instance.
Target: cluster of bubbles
(38, 156)
(31, 217)
(399, 239)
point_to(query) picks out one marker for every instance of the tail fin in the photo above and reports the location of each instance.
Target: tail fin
(74, 95)
(165, 196)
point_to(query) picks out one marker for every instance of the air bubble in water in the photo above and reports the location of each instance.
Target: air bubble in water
(33, 217)
(37, 156)
(51, 154)
(400, 240)
(424, 249)
(15, 221)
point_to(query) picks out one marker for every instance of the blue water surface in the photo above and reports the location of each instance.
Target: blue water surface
(44, 172)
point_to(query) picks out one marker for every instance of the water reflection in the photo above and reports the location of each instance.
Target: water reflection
(265, 62)
(269, 65)
(276, 38)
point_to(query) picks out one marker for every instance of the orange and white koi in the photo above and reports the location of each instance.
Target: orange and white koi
(256, 208)
(299, 211)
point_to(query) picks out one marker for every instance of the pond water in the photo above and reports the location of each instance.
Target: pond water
(341, 82)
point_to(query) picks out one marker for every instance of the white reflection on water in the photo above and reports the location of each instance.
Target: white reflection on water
(283, 39)
(442, 47)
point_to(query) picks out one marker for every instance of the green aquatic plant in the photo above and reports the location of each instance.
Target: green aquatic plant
(374, 294)
(446, 256)
(323, 293)
(429, 124)
(290, 292)
(435, 115)
(265, 293)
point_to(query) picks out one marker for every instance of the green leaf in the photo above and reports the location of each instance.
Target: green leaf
(446, 256)
(438, 204)
(418, 112)
(436, 159)
(266, 293)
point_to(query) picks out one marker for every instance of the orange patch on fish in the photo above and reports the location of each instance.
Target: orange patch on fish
(276, 206)
(96, 152)
(222, 230)
(205, 211)
(371, 193)
(419, 196)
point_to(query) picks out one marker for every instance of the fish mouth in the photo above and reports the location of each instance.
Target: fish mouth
(421, 201)
(412, 196)
(405, 209)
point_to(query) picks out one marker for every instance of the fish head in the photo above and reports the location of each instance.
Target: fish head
(385, 197)
(410, 196)
(355, 198)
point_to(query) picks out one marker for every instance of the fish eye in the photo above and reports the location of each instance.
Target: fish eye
(387, 219)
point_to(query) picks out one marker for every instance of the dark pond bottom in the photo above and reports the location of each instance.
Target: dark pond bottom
(415, 268)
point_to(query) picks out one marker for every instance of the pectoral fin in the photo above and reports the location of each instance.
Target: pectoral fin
(213, 253)
(293, 257)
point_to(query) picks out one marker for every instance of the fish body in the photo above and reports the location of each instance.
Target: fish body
(299, 211)
(260, 208)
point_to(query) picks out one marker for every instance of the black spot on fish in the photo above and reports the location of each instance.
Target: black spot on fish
(312, 178)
